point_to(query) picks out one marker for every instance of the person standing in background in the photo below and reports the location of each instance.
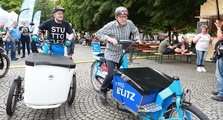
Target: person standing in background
(25, 38)
(218, 94)
(13, 37)
(202, 41)
(31, 27)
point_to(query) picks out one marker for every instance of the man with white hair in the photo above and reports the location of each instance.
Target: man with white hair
(57, 29)
(13, 37)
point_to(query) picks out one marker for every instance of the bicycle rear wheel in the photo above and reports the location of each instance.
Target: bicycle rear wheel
(190, 112)
(96, 80)
(4, 65)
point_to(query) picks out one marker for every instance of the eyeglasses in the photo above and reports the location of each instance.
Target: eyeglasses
(60, 13)
(122, 17)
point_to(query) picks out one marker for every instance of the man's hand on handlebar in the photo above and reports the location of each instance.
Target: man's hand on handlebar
(112, 41)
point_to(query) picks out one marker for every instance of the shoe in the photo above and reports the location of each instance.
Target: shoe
(203, 70)
(217, 97)
(14, 59)
(214, 92)
(23, 56)
(199, 69)
(103, 95)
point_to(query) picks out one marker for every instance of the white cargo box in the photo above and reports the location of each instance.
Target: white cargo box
(47, 80)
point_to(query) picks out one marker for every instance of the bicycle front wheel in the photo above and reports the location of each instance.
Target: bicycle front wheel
(4, 65)
(13, 96)
(96, 80)
(190, 112)
(72, 91)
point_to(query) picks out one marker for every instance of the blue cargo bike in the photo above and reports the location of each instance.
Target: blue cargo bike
(145, 92)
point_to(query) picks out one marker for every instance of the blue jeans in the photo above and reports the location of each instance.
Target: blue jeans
(13, 48)
(219, 75)
(57, 49)
(201, 55)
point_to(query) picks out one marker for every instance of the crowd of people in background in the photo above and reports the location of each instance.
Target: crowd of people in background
(16, 37)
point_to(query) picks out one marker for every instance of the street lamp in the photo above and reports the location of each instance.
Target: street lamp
(21, 12)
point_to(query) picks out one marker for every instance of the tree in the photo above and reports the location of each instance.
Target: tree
(148, 15)
(12, 5)
(46, 7)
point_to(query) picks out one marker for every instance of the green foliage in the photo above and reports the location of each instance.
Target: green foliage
(148, 15)
(46, 7)
(12, 5)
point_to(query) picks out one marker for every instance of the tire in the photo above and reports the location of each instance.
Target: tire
(13, 97)
(195, 113)
(3, 51)
(96, 81)
(5, 63)
(72, 91)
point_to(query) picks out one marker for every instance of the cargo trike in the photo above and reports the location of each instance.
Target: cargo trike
(50, 80)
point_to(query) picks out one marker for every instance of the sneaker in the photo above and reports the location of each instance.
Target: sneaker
(199, 69)
(217, 97)
(14, 59)
(214, 92)
(23, 56)
(103, 95)
(202, 68)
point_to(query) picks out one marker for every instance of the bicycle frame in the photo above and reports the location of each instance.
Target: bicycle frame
(165, 99)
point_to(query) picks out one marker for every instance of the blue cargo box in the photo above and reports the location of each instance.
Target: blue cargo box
(135, 87)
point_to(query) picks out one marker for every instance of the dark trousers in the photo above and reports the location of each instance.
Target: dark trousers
(25, 44)
(168, 51)
(19, 47)
(108, 78)
(34, 48)
(70, 49)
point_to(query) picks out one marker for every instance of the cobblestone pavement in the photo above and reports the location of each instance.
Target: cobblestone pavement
(88, 105)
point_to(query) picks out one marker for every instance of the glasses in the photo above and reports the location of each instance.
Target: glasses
(122, 17)
(60, 13)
